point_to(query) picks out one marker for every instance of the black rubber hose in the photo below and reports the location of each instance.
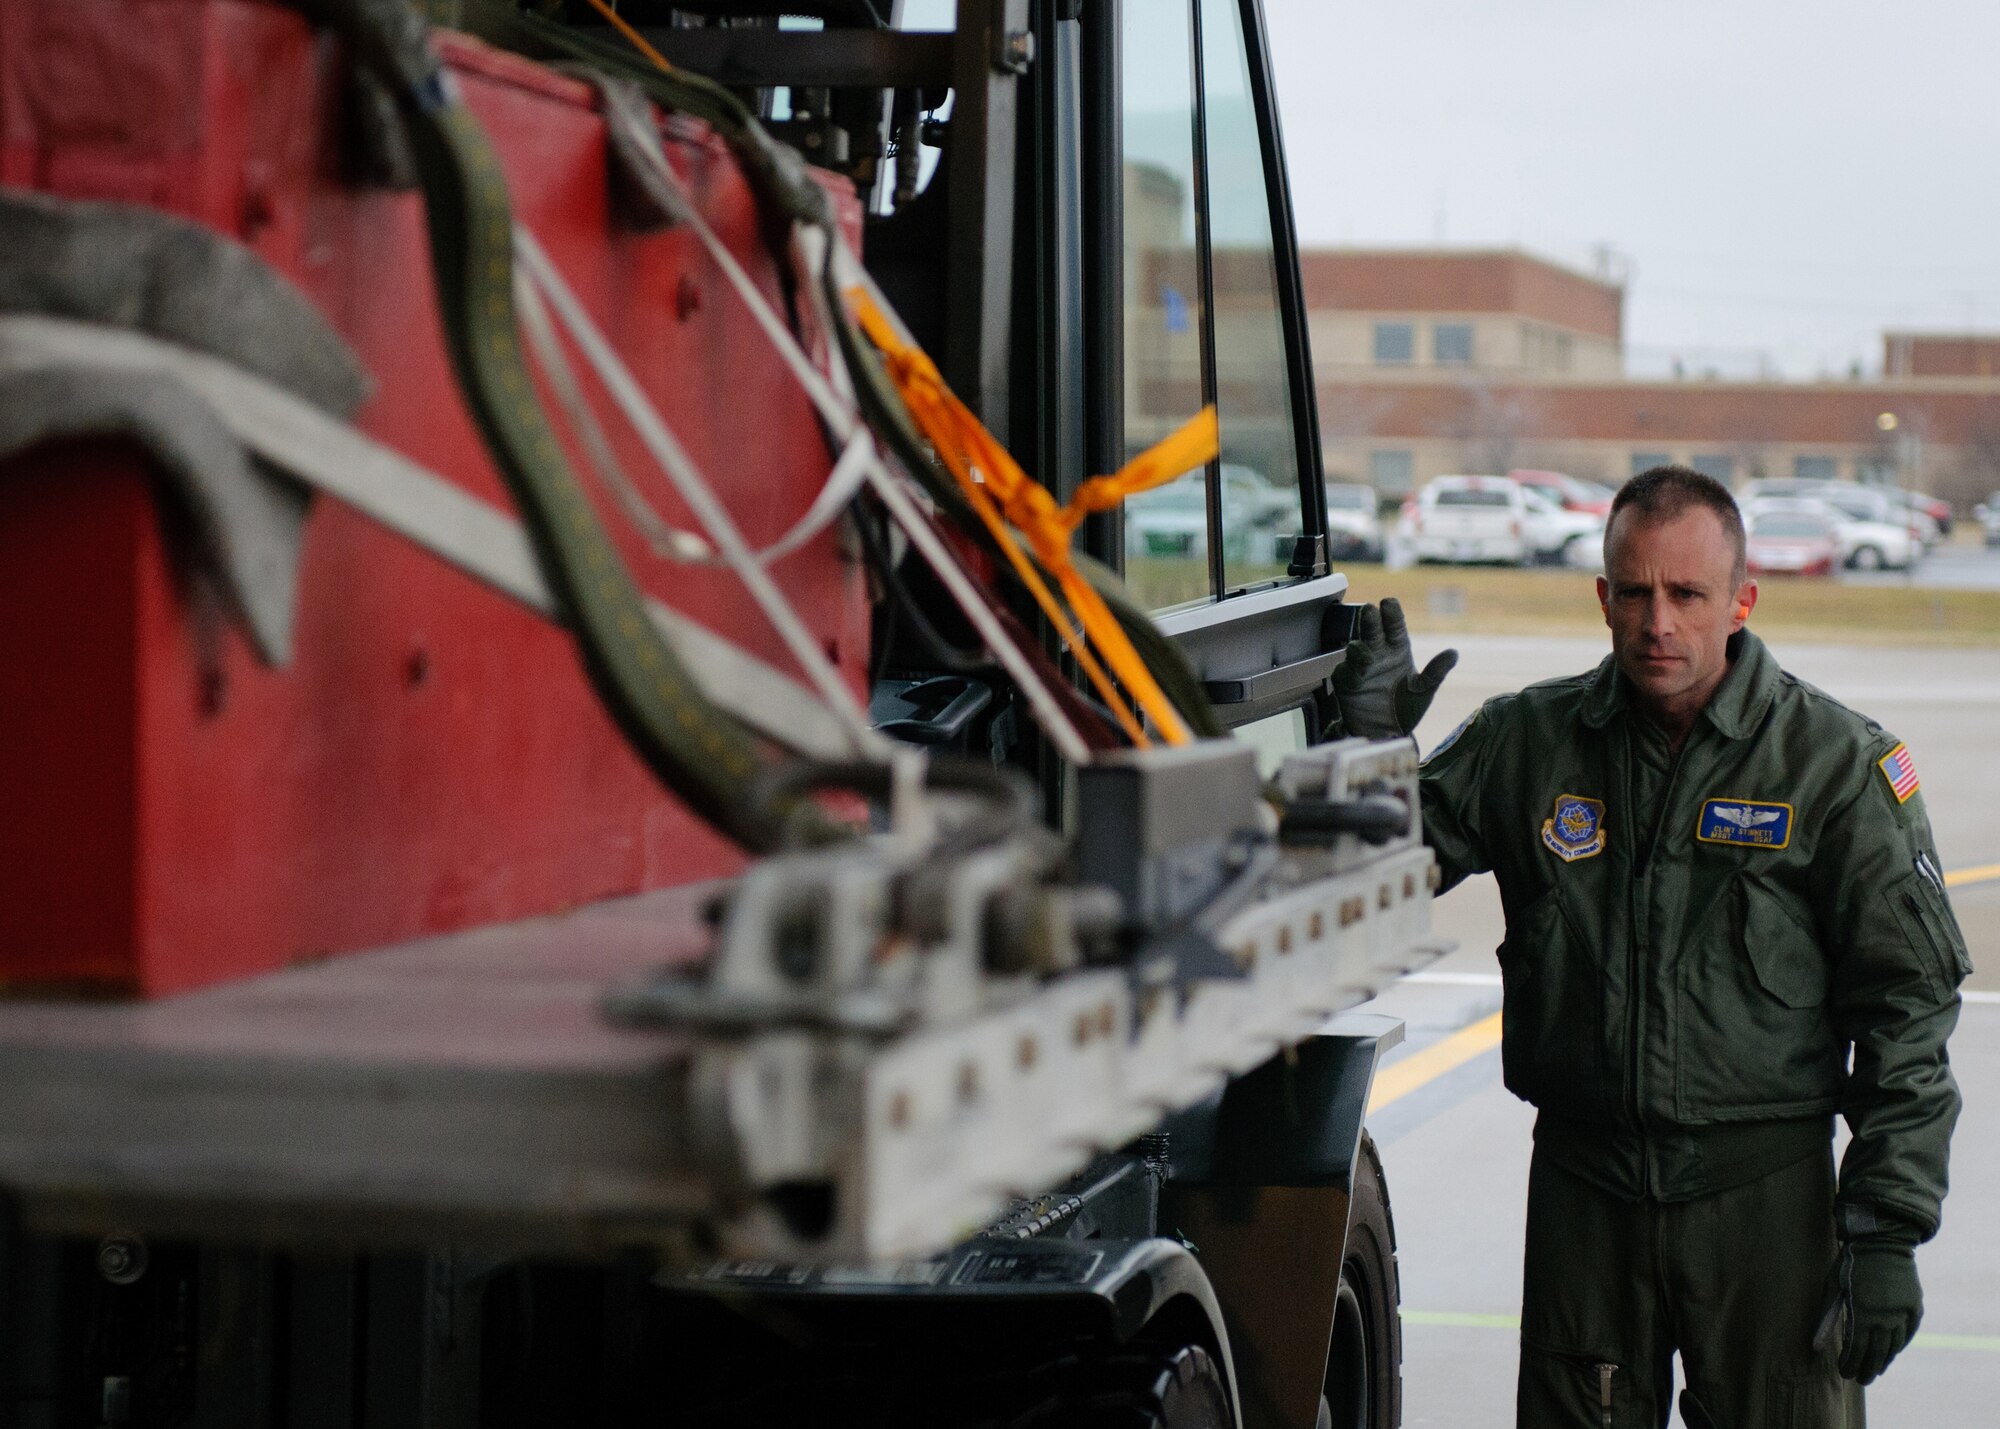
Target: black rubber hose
(695, 748)
(788, 191)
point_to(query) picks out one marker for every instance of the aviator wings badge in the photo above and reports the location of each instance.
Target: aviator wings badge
(1576, 829)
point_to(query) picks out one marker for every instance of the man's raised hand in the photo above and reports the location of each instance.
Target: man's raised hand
(1381, 692)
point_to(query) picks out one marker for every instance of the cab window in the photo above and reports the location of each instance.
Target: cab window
(1203, 320)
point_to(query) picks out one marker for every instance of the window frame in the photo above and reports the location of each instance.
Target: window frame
(1228, 635)
(1107, 140)
(1438, 330)
(1409, 331)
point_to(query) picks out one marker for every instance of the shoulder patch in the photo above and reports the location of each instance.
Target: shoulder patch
(1901, 772)
(1751, 822)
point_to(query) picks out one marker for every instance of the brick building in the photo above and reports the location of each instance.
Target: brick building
(1436, 361)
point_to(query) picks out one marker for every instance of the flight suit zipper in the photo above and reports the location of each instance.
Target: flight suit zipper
(1604, 1374)
(1635, 984)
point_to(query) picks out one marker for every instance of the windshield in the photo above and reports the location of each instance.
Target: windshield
(1462, 496)
(1792, 526)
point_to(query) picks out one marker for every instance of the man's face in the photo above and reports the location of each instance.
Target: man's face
(1670, 599)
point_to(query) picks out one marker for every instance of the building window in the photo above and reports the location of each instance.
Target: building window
(1395, 343)
(1451, 344)
(1392, 473)
(1815, 468)
(1722, 468)
(1646, 461)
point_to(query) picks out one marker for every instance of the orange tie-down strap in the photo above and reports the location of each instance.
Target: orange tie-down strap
(994, 483)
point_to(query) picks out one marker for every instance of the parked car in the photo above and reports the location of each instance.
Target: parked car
(1860, 503)
(1931, 506)
(1172, 520)
(1797, 539)
(1861, 543)
(1916, 512)
(1353, 522)
(1560, 536)
(1987, 514)
(1261, 501)
(1570, 492)
(1471, 518)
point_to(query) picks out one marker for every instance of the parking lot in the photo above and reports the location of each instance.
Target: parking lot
(1964, 562)
(1456, 1143)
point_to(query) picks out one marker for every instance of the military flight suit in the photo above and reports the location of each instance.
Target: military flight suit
(1707, 956)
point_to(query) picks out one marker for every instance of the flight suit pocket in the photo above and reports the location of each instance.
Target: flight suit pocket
(1783, 952)
(1754, 1038)
(1559, 1388)
(1932, 933)
(1552, 1040)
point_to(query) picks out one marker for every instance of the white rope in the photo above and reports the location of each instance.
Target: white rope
(693, 487)
(834, 398)
(667, 540)
(423, 507)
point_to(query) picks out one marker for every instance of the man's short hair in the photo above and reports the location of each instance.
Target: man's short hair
(1664, 492)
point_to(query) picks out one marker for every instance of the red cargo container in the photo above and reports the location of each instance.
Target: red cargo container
(173, 813)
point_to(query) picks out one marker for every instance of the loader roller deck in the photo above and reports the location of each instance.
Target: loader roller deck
(462, 1088)
(468, 1089)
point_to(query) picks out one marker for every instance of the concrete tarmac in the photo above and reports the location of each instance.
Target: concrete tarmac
(1456, 1149)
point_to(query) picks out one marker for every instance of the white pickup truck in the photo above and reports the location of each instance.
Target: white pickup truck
(1471, 518)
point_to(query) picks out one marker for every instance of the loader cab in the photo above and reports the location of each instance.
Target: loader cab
(1082, 211)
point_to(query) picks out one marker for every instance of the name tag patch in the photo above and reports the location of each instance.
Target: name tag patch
(1745, 821)
(1576, 829)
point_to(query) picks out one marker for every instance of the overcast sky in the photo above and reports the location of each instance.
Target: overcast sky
(1784, 180)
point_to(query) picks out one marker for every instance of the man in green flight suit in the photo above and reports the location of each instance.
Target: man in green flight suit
(1725, 925)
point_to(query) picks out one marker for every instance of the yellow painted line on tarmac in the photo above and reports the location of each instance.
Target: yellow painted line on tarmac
(1459, 1320)
(1399, 1079)
(1985, 873)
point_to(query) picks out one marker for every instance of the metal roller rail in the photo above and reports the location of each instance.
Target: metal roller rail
(471, 1089)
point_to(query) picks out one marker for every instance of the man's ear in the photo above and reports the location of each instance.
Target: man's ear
(1604, 598)
(1746, 601)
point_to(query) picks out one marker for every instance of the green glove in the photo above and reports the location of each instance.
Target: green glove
(1885, 1304)
(1380, 692)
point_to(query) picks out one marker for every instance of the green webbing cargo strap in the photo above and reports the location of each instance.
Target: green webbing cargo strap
(789, 192)
(695, 748)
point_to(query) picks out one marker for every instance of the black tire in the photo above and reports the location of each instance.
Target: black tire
(1177, 1388)
(1868, 558)
(1364, 1365)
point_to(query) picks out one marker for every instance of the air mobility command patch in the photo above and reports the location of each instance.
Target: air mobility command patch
(1576, 829)
(1901, 772)
(1745, 821)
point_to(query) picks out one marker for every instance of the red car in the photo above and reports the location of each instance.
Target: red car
(1793, 543)
(1938, 511)
(1569, 492)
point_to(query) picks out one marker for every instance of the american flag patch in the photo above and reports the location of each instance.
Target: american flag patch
(1901, 772)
